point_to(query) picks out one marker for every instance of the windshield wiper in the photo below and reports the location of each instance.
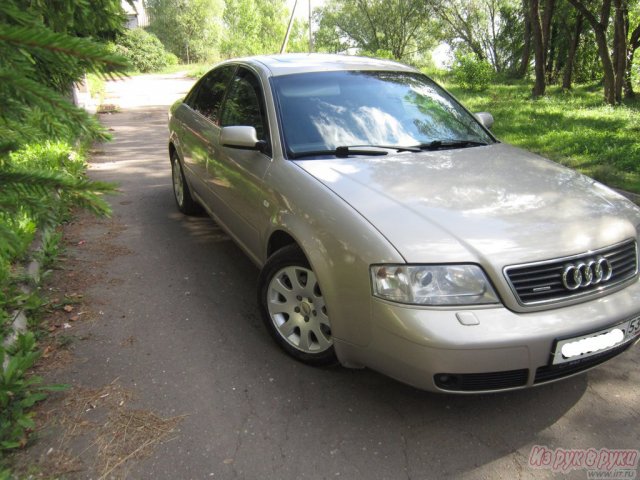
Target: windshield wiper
(444, 144)
(340, 152)
(397, 148)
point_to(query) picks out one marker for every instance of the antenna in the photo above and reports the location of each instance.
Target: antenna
(310, 35)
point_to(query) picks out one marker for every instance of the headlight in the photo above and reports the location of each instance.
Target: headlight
(432, 284)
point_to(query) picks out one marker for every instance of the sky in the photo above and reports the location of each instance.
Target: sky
(302, 10)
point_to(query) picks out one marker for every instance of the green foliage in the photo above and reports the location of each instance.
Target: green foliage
(190, 29)
(63, 22)
(143, 50)
(170, 60)
(400, 28)
(96, 84)
(576, 129)
(40, 184)
(35, 184)
(19, 392)
(471, 73)
(491, 30)
(44, 48)
(299, 37)
(254, 27)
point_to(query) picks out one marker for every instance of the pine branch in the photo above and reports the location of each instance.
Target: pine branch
(41, 195)
(9, 241)
(32, 183)
(35, 94)
(64, 46)
(15, 14)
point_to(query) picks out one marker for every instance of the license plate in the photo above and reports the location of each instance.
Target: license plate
(577, 348)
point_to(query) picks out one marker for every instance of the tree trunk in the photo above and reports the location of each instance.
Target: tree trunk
(526, 50)
(634, 44)
(538, 46)
(547, 16)
(550, 53)
(600, 32)
(573, 48)
(621, 23)
(607, 66)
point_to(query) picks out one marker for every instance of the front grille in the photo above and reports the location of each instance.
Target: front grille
(473, 382)
(553, 372)
(541, 282)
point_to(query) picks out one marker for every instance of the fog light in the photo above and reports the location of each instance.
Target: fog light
(446, 380)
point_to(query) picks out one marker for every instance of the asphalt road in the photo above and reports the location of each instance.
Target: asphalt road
(179, 326)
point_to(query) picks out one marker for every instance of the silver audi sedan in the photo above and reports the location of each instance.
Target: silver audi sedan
(394, 231)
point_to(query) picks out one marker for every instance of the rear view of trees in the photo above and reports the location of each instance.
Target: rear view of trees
(253, 27)
(202, 30)
(554, 41)
(187, 28)
(392, 28)
(558, 41)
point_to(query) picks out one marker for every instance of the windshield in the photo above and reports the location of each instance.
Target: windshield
(323, 111)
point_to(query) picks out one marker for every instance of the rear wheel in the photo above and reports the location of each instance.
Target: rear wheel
(293, 307)
(185, 202)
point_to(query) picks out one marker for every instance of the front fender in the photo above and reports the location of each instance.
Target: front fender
(339, 243)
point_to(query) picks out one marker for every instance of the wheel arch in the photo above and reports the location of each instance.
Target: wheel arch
(172, 148)
(280, 239)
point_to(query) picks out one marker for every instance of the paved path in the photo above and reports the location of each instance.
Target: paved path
(178, 325)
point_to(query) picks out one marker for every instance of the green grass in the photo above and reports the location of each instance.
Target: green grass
(96, 86)
(575, 129)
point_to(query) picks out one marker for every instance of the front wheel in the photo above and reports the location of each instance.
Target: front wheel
(294, 309)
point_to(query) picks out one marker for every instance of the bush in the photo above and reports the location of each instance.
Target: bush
(143, 49)
(471, 73)
(171, 59)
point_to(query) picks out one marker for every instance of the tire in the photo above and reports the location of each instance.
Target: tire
(181, 192)
(293, 308)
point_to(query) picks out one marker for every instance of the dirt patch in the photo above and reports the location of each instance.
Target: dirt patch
(85, 432)
(94, 432)
(90, 243)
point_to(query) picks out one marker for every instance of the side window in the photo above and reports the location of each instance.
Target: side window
(209, 93)
(245, 104)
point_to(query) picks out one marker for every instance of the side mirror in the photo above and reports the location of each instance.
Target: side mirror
(485, 118)
(244, 138)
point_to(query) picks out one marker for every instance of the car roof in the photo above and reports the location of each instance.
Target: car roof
(290, 63)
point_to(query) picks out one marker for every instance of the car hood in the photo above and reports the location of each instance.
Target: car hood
(495, 204)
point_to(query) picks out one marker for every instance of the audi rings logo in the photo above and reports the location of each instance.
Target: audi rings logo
(586, 273)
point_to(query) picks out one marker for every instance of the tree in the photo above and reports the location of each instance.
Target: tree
(634, 44)
(571, 55)
(495, 30)
(100, 20)
(525, 58)
(614, 59)
(395, 28)
(490, 29)
(538, 47)
(253, 27)
(464, 23)
(189, 29)
(299, 37)
(33, 109)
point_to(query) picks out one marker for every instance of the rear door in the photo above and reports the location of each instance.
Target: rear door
(200, 127)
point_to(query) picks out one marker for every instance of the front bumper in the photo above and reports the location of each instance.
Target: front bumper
(504, 350)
